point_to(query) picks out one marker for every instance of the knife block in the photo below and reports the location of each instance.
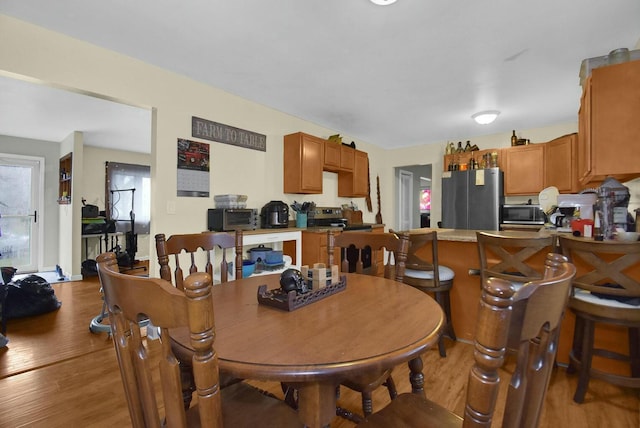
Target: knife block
(353, 217)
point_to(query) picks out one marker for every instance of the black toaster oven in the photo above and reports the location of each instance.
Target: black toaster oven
(228, 219)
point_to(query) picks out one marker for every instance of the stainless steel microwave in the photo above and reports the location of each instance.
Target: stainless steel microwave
(228, 219)
(523, 214)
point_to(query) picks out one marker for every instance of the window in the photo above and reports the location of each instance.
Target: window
(128, 196)
(425, 200)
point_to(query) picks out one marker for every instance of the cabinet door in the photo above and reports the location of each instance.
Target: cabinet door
(314, 249)
(560, 164)
(360, 173)
(356, 182)
(332, 156)
(303, 161)
(347, 158)
(614, 122)
(524, 169)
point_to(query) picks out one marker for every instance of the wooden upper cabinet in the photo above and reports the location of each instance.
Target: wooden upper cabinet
(338, 157)
(303, 163)
(355, 183)
(332, 156)
(561, 164)
(609, 124)
(347, 158)
(523, 169)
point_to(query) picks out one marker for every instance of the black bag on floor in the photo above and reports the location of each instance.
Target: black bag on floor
(29, 296)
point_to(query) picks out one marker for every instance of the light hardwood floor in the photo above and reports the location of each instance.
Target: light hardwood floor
(56, 373)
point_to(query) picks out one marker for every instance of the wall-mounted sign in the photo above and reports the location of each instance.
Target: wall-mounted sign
(193, 168)
(218, 132)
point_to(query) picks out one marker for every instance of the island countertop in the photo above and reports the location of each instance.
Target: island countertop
(463, 235)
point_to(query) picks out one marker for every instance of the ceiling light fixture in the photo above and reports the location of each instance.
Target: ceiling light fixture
(485, 117)
(383, 2)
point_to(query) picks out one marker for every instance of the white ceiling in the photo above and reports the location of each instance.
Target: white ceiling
(402, 75)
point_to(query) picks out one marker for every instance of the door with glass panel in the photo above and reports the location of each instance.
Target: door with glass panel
(21, 187)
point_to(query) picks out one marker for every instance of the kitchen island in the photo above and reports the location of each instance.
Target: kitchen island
(458, 250)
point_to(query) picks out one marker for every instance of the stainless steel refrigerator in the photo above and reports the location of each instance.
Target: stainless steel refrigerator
(472, 199)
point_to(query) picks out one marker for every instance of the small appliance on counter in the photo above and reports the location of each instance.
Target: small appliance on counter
(228, 219)
(275, 214)
(523, 214)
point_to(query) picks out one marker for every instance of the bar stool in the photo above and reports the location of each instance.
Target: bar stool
(604, 295)
(424, 272)
(510, 256)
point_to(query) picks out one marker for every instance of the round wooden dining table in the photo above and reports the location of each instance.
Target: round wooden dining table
(372, 325)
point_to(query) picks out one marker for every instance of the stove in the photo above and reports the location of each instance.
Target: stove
(332, 216)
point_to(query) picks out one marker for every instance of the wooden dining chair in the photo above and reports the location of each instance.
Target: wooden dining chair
(195, 247)
(368, 244)
(149, 369)
(424, 272)
(544, 301)
(198, 252)
(605, 292)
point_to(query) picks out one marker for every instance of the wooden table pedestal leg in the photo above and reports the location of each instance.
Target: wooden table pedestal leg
(316, 404)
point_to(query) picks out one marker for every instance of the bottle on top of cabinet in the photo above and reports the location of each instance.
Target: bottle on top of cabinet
(514, 139)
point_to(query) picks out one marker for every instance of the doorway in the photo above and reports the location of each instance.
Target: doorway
(414, 190)
(21, 201)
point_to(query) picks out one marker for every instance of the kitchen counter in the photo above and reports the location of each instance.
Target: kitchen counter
(325, 229)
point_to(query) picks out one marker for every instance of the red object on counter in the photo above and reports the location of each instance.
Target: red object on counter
(579, 224)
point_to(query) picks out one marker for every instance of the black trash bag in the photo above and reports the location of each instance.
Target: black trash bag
(89, 268)
(29, 296)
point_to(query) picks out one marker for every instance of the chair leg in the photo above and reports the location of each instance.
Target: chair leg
(576, 347)
(188, 385)
(367, 403)
(442, 350)
(416, 377)
(585, 360)
(634, 351)
(446, 301)
(391, 387)
(443, 299)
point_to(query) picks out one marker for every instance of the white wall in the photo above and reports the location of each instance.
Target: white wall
(69, 215)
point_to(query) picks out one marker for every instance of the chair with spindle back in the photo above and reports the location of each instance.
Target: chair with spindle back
(199, 246)
(199, 254)
(142, 362)
(368, 244)
(538, 327)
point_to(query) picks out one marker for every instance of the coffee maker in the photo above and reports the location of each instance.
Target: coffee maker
(274, 214)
